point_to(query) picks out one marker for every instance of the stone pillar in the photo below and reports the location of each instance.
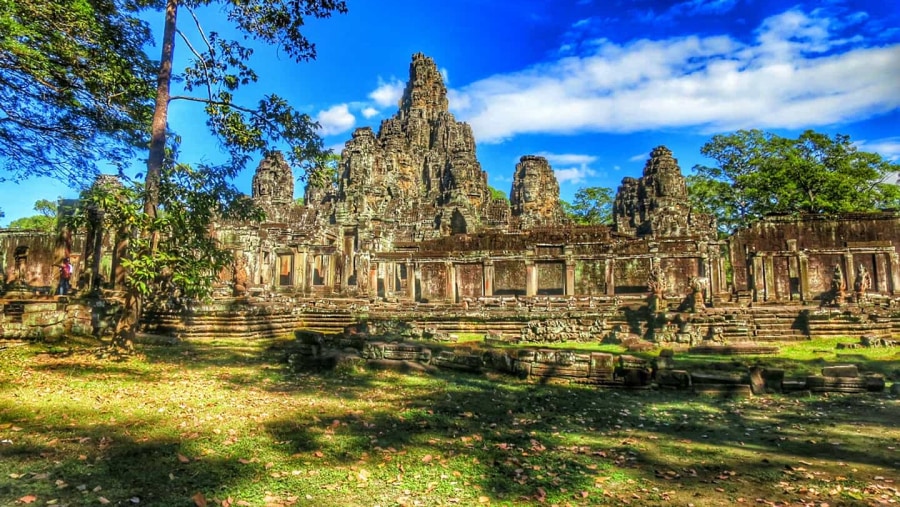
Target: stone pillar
(451, 282)
(411, 280)
(849, 272)
(881, 276)
(300, 271)
(758, 278)
(771, 294)
(328, 261)
(309, 264)
(488, 274)
(531, 279)
(373, 279)
(711, 279)
(803, 275)
(610, 277)
(570, 278)
(894, 275)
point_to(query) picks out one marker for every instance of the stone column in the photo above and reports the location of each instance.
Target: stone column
(803, 275)
(758, 277)
(488, 274)
(297, 280)
(373, 279)
(451, 282)
(570, 278)
(300, 269)
(530, 278)
(849, 272)
(771, 293)
(712, 278)
(881, 275)
(894, 275)
(411, 280)
(610, 276)
(328, 266)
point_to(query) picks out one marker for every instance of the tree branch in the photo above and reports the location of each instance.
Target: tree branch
(202, 63)
(217, 103)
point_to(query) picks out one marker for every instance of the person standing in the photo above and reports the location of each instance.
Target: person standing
(65, 274)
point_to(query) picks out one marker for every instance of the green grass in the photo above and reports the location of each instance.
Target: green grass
(227, 420)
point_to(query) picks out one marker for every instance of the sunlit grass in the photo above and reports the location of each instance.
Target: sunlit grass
(226, 420)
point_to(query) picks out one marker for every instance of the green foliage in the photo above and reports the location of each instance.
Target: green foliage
(219, 67)
(760, 173)
(75, 84)
(325, 173)
(592, 206)
(44, 221)
(497, 194)
(188, 255)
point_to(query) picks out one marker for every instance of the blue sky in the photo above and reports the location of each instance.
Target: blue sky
(593, 85)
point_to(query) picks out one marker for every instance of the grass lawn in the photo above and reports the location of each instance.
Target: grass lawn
(225, 423)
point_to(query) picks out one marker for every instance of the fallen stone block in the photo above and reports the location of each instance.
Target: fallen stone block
(699, 377)
(673, 379)
(731, 390)
(843, 370)
(823, 384)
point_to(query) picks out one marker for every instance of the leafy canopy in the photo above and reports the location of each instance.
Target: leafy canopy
(45, 220)
(759, 173)
(592, 206)
(75, 87)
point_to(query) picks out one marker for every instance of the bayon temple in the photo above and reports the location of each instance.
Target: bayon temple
(410, 232)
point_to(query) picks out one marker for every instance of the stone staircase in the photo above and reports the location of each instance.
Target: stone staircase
(831, 324)
(779, 326)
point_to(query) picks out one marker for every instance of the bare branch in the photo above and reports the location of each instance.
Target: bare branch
(202, 62)
(212, 50)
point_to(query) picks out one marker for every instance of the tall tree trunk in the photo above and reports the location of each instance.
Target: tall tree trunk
(128, 323)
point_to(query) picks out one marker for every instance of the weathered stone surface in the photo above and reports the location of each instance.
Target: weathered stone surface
(822, 384)
(534, 198)
(843, 370)
(673, 379)
(420, 169)
(273, 188)
(657, 203)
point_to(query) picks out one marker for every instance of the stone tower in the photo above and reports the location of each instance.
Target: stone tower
(420, 173)
(273, 186)
(534, 198)
(657, 204)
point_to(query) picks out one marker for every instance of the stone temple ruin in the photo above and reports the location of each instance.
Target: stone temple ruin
(410, 232)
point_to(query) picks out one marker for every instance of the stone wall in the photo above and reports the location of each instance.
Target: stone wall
(784, 258)
(50, 319)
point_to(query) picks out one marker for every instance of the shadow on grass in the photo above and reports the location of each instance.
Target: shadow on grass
(523, 440)
(96, 463)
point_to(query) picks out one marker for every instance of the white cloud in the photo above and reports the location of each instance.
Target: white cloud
(335, 120)
(567, 158)
(369, 112)
(579, 169)
(388, 93)
(574, 175)
(888, 147)
(795, 74)
(640, 157)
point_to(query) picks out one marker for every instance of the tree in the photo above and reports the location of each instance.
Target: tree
(45, 220)
(219, 68)
(75, 87)
(759, 173)
(497, 194)
(325, 173)
(592, 206)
